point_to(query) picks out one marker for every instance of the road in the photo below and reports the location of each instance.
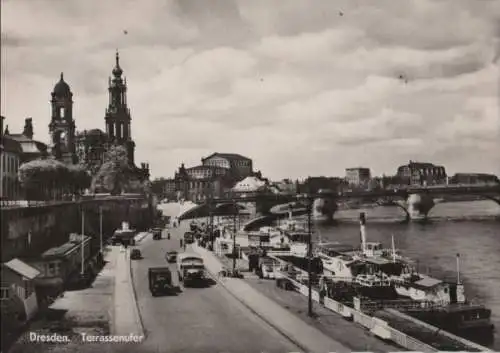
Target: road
(198, 319)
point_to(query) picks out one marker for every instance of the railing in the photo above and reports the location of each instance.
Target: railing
(8, 204)
(376, 325)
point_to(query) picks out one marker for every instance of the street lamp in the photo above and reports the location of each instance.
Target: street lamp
(234, 236)
(309, 206)
(309, 256)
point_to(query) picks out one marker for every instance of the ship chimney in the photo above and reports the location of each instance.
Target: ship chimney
(362, 222)
(393, 251)
(458, 269)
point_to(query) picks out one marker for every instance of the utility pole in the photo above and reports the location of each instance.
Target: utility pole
(309, 255)
(234, 236)
(82, 250)
(100, 226)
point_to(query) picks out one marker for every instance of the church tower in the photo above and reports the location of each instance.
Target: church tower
(118, 114)
(62, 126)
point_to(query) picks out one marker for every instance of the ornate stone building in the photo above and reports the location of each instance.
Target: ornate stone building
(216, 176)
(92, 145)
(62, 125)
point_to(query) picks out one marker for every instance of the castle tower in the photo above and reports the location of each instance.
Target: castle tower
(62, 126)
(117, 117)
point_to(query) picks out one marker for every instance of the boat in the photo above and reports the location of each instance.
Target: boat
(443, 304)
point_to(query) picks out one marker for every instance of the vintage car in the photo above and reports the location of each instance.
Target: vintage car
(135, 254)
(157, 233)
(171, 256)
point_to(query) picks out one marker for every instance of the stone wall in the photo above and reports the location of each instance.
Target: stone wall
(28, 232)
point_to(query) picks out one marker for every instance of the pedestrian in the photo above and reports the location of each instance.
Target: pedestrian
(181, 242)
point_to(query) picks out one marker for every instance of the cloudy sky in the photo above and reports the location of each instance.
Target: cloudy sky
(302, 87)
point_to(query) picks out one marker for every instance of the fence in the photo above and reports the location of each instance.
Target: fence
(377, 326)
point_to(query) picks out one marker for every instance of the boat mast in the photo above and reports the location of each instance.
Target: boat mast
(362, 222)
(393, 250)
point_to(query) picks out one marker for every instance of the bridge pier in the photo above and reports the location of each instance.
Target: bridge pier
(324, 209)
(417, 206)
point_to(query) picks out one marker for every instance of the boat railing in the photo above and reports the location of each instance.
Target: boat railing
(404, 305)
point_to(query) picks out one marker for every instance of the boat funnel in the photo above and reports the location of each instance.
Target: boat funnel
(362, 228)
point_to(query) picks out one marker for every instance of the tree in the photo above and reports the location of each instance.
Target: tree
(49, 178)
(80, 178)
(115, 173)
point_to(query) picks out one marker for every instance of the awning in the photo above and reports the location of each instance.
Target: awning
(22, 268)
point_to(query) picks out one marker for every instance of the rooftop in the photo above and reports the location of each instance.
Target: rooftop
(22, 268)
(231, 156)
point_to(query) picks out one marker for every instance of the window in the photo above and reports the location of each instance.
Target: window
(51, 269)
(61, 112)
(27, 289)
(4, 293)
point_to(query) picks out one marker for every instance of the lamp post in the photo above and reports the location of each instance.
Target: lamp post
(309, 256)
(82, 250)
(100, 226)
(234, 236)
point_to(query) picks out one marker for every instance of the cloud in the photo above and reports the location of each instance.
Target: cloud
(301, 89)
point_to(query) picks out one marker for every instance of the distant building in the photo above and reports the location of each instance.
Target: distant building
(474, 178)
(358, 176)
(250, 184)
(239, 166)
(418, 173)
(31, 149)
(10, 161)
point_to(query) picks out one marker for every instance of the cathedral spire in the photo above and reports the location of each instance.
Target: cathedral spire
(117, 71)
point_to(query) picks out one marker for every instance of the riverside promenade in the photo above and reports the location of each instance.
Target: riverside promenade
(302, 334)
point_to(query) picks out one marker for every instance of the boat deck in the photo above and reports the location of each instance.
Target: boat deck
(434, 338)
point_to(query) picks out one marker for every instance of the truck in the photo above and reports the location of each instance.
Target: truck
(160, 280)
(124, 236)
(190, 268)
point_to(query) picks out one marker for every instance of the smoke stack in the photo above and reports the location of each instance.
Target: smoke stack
(362, 228)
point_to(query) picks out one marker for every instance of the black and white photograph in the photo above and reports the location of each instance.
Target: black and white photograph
(236, 176)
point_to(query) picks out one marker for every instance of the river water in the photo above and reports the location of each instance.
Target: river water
(471, 229)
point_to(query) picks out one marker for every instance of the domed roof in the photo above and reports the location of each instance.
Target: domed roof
(117, 71)
(61, 89)
(95, 132)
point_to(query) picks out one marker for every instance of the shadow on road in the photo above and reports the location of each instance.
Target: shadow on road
(78, 281)
(208, 282)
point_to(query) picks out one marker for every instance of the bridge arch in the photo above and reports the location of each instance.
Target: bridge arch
(495, 199)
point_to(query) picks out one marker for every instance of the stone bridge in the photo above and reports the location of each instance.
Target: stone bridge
(416, 202)
(28, 230)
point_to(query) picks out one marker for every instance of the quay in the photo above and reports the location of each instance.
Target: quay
(388, 324)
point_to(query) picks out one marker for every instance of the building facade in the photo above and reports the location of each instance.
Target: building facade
(417, 173)
(474, 178)
(18, 280)
(31, 149)
(62, 127)
(358, 177)
(239, 167)
(10, 161)
(92, 145)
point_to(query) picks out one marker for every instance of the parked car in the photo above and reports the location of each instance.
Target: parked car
(171, 256)
(136, 254)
